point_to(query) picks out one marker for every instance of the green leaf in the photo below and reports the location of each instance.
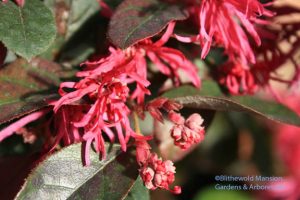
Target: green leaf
(27, 31)
(26, 87)
(138, 191)
(62, 176)
(135, 20)
(210, 98)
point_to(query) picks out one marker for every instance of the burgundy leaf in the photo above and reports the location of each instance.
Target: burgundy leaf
(135, 20)
(210, 97)
(251, 105)
(23, 86)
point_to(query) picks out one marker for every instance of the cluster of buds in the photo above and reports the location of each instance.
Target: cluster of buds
(186, 132)
(220, 23)
(227, 24)
(155, 172)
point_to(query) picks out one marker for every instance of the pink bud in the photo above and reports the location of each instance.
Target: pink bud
(172, 105)
(176, 132)
(189, 132)
(158, 174)
(176, 118)
(142, 151)
(194, 121)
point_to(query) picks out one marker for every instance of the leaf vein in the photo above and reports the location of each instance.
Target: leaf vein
(141, 24)
(23, 28)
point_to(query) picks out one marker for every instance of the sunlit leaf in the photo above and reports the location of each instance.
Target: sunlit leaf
(62, 176)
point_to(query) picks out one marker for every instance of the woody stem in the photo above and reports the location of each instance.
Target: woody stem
(136, 123)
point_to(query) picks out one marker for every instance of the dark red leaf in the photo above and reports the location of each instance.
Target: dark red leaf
(210, 98)
(23, 87)
(135, 20)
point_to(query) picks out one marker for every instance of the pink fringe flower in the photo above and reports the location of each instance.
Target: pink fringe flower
(272, 57)
(109, 92)
(218, 24)
(169, 62)
(97, 104)
(104, 88)
(63, 122)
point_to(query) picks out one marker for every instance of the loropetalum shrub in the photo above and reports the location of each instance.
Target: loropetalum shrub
(136, 58)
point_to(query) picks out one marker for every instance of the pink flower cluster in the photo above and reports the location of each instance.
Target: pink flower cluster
(186, 132)
(219, 23)
(227, 24)
(114, 87)
(101, 103)
(103, 89)
(158, 174)
(154, 172)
